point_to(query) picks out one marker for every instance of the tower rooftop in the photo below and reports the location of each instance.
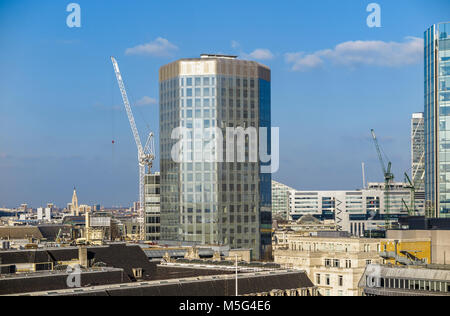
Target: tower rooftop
(218, 56)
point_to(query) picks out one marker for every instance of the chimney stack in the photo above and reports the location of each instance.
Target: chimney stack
(82, 257)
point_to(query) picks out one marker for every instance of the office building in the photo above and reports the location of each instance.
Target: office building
(152, 207)
(384, 280)
(353, 211)
(44, 214)
(437, 120)
(280, 200)
(439, 239)
(209, 194)
(334, 264)
(306, 225)
(418, 161)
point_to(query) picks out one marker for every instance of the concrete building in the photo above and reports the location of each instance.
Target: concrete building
(203, 198)
(152, 207)
(85, 209)
(382, 280)
(437, 120)
(335, 265)
(44, 214)
(406, 252)
(280, 200)
(353, 211)
(307, 225)
(418, 161)
(440, 242)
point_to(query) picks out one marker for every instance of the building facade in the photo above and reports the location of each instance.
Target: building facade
(440, 243)
(383, 280)
(44, 214)
(437, 120)
(280, 200)
(353, 211)
(152, 207)
(418, 161)
(203, 198)
(335, 265)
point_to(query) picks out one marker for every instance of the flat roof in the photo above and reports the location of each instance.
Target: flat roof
(218, 56)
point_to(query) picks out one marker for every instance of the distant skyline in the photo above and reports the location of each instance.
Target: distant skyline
(333, 79)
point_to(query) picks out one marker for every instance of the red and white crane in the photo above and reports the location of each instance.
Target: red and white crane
(146, 154)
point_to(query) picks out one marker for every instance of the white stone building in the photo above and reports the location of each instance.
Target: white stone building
(335, 265)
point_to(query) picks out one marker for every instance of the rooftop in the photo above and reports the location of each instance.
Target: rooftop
(218, 56)
(214, 285)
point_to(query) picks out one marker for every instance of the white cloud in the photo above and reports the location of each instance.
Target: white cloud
(146, 101)
(160, 47)
(354, 53)
(301, 61)
(260, 53)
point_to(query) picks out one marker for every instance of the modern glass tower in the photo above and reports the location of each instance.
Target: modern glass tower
(209, 200)
(418, 161)
(437, 120)
(280, 200)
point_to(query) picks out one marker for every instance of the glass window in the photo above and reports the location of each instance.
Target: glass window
(189, 82)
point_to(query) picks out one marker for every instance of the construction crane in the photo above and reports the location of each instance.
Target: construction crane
(412, 187)
(388, 179)
(146, 154)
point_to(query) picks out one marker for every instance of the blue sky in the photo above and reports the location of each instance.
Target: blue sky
(60, 107)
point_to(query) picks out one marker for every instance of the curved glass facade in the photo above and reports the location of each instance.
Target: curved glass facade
(437, 120)
(204, 199)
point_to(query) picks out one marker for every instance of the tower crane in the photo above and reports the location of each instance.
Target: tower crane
(388, 179)
(146, 154)
(412, 187)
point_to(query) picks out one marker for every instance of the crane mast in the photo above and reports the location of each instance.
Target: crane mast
(145, 155)
(388, 179)
(412, 187)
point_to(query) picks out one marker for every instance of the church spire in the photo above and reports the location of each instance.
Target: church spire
(75, 210)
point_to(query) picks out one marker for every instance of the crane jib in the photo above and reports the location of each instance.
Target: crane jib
(145, 156)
